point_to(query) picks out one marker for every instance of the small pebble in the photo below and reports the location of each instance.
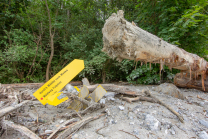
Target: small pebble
(121, 108)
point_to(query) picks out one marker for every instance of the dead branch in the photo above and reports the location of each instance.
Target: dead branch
(65, 123)
(9, 109)
(35, 85)
(147, 92)
(129, 133)
(20, 128)
(128, 99)
(115, 88)
(63, 128)
(76, 126)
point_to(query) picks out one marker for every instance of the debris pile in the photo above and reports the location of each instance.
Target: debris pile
(120, 112)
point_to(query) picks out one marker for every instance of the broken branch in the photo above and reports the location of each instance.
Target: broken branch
(58, 129)
(128, 99)
(147, 92)
(129, 133)
(76, 126)
(20, 128)
(9, 109)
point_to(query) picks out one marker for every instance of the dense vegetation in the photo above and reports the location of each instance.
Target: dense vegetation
(39, 37)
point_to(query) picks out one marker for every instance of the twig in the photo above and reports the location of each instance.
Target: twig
(78, 114)
(201, 98)
(61, 129)
(9, 109)
(65, 123)
(101, 128)
(129, 133)
(147, 92)
(76, 126)
(21, 129)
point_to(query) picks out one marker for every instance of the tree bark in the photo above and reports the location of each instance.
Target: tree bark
(183, 81)
(124, 40)
(51, 43)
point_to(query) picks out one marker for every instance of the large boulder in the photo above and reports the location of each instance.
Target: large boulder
(169, 89)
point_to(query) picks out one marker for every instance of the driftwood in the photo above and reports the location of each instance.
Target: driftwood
(76, 126)
(196, 83)
(20, 128)
(128, 99)
(153, 99)
(115, 88)
(65, 123)
(35, 85)
(61, 129)
(9, 109)
(147, 92)
(124, 40)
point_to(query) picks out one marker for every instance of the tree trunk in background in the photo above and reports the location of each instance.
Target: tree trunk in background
(124, 40)
(51, 43)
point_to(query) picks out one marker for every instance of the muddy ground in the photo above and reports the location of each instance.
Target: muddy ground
(140, 119)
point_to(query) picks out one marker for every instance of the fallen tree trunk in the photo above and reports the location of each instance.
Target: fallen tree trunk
(183, 81)
(124, 40)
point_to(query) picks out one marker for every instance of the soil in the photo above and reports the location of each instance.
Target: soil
(139, 119)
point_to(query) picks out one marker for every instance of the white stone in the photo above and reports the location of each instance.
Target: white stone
(151, 122)
(110, 94)
(121, 108)
(203, 135)
(102, 101)
(61, 121)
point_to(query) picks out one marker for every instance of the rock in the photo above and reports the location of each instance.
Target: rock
(136, 132)
(172, 131)
(131, 123)
(59, 111)
(112, 99)
(75, 136)
(85, 81)
(203, 122)
(112, 121)
(71, 89)
(61, 121)
(47, 131)
(110, 94)
(166, 124)
(108, 112)
(102, 101)
(203, 135)
(151, 122)
(121, 108)
(201, 104)
(33, 116)
(169, 89)
(131, 115)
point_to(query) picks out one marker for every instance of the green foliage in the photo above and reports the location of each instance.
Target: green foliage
(144, 75)
(77, 25)
(18, 56)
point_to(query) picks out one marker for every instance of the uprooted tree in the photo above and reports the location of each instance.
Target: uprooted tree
(124, 40)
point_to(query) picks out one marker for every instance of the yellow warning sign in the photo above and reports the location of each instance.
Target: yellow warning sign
(57, 82)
